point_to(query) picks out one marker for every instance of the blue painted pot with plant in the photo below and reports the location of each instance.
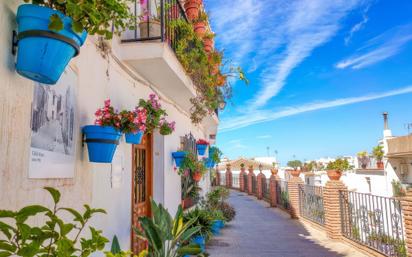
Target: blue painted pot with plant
(51, 32)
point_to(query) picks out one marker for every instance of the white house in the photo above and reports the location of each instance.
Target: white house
(129, 72)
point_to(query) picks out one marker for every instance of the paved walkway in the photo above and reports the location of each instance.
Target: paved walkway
(259, 231)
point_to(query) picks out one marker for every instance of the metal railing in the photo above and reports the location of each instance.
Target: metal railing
(246, 184)
(254, 185)
(282, 194)
(373, 221)
(153, 20)
(311, 203)
(235, 181)
(266, 189)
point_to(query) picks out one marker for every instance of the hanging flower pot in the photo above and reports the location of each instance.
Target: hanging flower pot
(197, 176)
(208, 44)
(134, 138)
(201, 146)
(192, 8)
(101, 142)
(209, 163)
(44, 54)
(178, 157)
(200, 28)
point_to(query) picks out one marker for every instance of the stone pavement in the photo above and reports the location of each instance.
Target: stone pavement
(260, 231)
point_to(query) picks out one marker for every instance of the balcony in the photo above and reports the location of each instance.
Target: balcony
(148, 49)
(399, 147)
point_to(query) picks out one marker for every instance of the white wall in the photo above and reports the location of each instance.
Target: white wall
(98, 79)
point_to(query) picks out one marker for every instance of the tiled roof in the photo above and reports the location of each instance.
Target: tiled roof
(235, 164)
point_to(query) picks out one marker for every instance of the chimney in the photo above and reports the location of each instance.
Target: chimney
(386, 131)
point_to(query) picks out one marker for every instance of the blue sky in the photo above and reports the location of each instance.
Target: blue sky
(321, 74)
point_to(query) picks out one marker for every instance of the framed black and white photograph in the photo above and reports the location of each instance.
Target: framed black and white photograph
(54, 128)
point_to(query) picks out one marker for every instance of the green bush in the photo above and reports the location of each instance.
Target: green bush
(54, 237)
(228, 211)
(204, 219)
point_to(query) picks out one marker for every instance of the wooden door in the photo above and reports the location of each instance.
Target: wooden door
(141, 186)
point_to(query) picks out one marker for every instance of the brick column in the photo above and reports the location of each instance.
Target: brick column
(228, 176)
(242, 179)
(293, 190)
(333, 222)
(272, 188)
(407, 219)
(217, 177)
(259, 183)
(249, 180)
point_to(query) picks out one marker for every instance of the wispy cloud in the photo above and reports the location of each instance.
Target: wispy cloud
(379, 48)
(260, 116)
(358, 26)
(305, 25)
(264, 137)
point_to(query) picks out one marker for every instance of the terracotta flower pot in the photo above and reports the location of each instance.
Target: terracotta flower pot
(380, 165)
(187, 203)
(208, 44)
(274, 171)
(197, 176)
(295, 173)
(334, 174)
(200, 28)
(192, 9)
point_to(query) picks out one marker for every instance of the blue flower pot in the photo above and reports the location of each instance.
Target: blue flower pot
(42, 54)
(199, 240)
(101, 142)
(220, 223)
(209, 163)
(215, 228)
(179, 156)
(201, 149)
(135, 139)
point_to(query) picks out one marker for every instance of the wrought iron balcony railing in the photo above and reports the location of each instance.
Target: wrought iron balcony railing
(153, 19)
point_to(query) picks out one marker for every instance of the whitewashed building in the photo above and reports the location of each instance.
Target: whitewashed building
(125, 74)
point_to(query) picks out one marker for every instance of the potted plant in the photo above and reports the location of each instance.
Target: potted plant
(155, 116)
(103, 137)
(335, 168)
(208, 42)
(149, 24)
(215, 154)
(133, 125)
(179, 156)
(378, 153)
(199, 25)
(363, 159)
(51, 32)
(295, 165)
(199, 171)
(201, 146)
(192, 8)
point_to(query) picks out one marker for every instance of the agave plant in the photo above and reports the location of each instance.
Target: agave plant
(167, 237)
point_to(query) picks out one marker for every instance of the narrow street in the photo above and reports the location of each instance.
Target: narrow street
(259, 231)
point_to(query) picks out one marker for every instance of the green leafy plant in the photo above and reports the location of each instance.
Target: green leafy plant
(203, 218)
(378, 152)
(54, 237)
(96, 17)
(217, 196)
(227, 210)
(202, 70)
(215, 154)
(339, 165)
(295, 164)
(167, 236)
(117, 252)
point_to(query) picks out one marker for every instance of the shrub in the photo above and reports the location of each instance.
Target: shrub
(228, 211)
(203, 218)
(340, 165)
(216, 196)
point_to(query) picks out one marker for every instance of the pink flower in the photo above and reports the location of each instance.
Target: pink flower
(117, 124)
(107, 115)
(107, 103)
(98, 122)
(98, 112)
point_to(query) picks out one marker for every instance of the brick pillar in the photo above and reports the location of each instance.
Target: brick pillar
(242, 179)
(273, 189)
(293, 189)
(333, 222)
(228, 176)
(249, 180)
(407, 219)
(259, 183)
